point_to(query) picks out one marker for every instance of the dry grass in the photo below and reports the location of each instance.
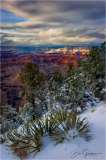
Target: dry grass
(20, 150)
(93, 110)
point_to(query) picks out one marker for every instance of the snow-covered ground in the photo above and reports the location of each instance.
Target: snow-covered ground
(77, 148)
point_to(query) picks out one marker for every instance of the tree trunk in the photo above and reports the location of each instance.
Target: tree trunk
(46, 106)
(33, 104)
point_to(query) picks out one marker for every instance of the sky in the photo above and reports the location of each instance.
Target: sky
(52, 22)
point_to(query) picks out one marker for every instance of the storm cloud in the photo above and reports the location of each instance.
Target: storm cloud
(55, 22)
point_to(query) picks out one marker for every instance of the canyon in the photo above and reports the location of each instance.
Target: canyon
(12, 65)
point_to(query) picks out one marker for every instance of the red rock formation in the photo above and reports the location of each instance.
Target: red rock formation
(12, 67)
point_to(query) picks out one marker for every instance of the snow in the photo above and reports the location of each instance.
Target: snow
(57, 106)
(78, 109)
(76, 148)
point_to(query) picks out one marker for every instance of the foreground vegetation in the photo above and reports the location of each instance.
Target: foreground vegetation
(59, 126)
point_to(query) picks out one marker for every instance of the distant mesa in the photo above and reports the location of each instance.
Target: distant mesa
(69, 50)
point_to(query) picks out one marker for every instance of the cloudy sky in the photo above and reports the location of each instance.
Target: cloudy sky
(30, 22)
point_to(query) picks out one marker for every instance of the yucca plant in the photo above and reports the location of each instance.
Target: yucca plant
(70, 127)
(33, 131)
(59, 134)
(83, 128)
(27, 138)
(18, 144)
(59, 126)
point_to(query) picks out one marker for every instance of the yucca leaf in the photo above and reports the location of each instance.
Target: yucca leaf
(2, 140)
(82, 127)
(73, 117)
(85, 130)
(79, 124)
(11, 137)
(59, 141)
(87, 138)
(16, 134)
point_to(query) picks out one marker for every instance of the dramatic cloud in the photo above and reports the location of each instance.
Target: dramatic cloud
(45, 22)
